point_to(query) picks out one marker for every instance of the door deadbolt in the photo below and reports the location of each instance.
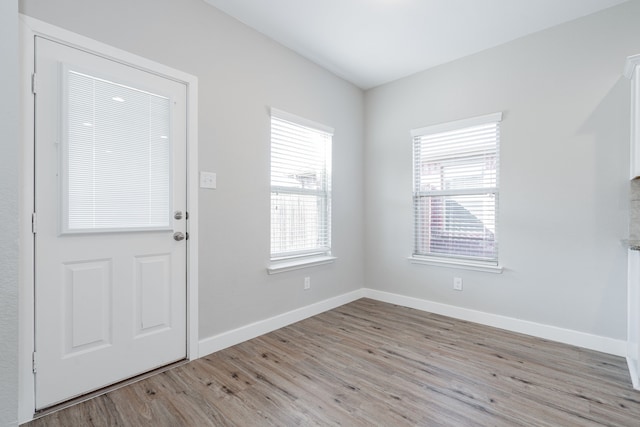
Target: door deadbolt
(177, 215)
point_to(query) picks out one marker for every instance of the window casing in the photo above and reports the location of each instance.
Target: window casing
(456, 191)
(300, 187)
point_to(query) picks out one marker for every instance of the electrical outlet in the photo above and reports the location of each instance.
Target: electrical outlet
(457, 283)
(307, 283)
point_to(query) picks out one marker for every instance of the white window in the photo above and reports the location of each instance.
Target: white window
(455, 190)
(300, 187)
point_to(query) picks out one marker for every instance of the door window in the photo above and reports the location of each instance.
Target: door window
(116, 159)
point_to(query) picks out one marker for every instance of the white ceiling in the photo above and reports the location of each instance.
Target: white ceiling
(371, 42)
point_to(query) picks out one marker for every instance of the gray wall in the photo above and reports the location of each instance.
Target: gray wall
(9, 226)
(564, 187)
(564, 174)
(241, 73)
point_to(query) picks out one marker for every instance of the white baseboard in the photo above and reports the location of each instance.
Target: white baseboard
(552, 333)
(244, 333)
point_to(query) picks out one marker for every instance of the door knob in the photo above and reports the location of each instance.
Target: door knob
(178, 236)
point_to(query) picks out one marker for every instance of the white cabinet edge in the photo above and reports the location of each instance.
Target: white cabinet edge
(632, 62)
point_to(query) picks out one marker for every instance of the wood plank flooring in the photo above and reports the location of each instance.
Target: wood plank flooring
(374, 364)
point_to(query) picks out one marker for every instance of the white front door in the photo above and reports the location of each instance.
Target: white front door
(110, 201)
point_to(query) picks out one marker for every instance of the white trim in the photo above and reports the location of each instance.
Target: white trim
(630, 65)
(193, 190)
(301, 121)
(633, 371)
(552, 333)
(456, 263)
(247, 332)
(29, 28)
(632, 71)
(26, 327)
(298, 263)
(85, 44)
(445, 127)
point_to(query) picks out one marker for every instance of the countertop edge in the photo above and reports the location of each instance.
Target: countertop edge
(633, 245)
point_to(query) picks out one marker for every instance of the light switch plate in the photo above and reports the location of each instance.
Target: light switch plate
(208, 180)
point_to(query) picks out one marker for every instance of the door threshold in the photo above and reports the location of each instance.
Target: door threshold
(88, 396)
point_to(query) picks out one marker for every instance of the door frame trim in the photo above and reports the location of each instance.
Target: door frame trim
(29, 29)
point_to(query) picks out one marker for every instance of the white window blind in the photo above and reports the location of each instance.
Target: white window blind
(116, 158)
(300, 187)
(455, 196)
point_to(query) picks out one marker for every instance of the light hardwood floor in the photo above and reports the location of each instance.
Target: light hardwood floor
(374, 364)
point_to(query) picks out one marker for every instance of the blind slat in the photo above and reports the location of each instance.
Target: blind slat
(456, 191)
(300, 188)
(117, 161)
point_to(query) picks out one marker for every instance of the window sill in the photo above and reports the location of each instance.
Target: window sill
(461, 264)
(298, 263)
